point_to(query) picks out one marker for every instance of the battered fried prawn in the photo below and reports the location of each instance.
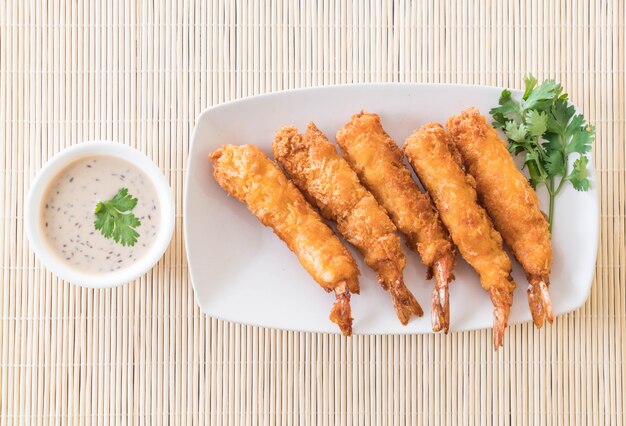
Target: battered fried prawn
(378, 161)
(327, 179)
(249, 175)
(452, 191)
(510, 201)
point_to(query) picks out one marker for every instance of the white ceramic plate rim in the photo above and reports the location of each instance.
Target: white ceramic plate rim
(593, 228)
(56, 164)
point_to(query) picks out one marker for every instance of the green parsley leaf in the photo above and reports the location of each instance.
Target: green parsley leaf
(530, 81)
(581, 138)
(559, 116)
(541, 96)
(515, 132)
(537, 122)
(555, 166)
(115, 220)
(575, 124)
(553, 142)
(578, 175)
(508, 109)
(124, 201)
(544, 127)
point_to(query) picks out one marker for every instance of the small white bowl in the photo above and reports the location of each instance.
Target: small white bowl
(33, 212)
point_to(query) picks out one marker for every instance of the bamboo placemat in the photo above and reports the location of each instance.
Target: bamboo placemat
(141, 73)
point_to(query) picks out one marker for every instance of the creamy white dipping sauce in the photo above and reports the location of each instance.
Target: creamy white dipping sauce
(67, 213)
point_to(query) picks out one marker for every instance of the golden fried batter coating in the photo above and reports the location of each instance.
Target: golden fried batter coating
(510, 201)
(378, 162)
(247, 174)
(470, 228)
(327, 179)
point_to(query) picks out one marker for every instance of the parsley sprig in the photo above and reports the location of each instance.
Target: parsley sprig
(115, 220)
(544, 127)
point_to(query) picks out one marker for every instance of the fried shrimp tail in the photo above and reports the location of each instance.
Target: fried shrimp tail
(247, 174)
(539, 301)
(404, 302)
(442, 270)
(327, 179)
(341, 312)
(502, 301)
(452, 191)
(510, 201)
(379, 163)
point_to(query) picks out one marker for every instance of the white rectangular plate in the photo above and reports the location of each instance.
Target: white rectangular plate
(242, 272)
